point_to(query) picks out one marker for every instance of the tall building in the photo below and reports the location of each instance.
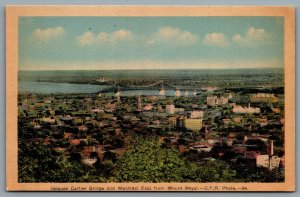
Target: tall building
(194, 124)
(170, 109)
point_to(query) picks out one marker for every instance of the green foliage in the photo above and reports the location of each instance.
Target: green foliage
(146, 161)
(211, 171)
(251, 173)
(38, 163)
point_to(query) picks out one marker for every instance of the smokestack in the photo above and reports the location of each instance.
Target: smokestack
(271, 148)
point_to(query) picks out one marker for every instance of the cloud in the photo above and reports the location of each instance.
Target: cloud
(237, 38)
(121, 35)
(86, 38)
(45, 35)
(173, 36)
(252, 37)
(216, 39)
(89, 38)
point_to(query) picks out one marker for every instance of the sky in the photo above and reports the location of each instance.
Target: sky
(105, 43)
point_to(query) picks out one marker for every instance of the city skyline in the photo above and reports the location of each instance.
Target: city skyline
(117, 43)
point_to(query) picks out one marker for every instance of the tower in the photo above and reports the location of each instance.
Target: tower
(162, 91)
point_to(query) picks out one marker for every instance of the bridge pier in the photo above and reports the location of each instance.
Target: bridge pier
(162, 92)
(177, 93)
(118, 96)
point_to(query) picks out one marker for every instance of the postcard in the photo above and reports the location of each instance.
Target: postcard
(150, 98)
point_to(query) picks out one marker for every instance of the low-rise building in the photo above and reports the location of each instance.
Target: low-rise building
(214, 100)
(211, 100)
(263, 98)
(194, 124)
(267, 161)
(222, 100)
(245, 110)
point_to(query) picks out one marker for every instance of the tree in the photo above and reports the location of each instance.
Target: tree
(110, 155)
(212, 171)
(38, 163)
(146, 161)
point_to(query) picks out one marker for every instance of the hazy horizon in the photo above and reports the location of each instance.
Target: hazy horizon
(269, 68)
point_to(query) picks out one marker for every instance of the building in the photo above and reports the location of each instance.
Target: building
(170, 109)
(196, 114)
(179, 110)
(211, 100)
(222, 101)
(214, 100)
(245, 110)
(263, 98)
(172, 120)
(194, 124)
(267, 161)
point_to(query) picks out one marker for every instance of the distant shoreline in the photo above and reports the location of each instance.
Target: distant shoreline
(275, 68)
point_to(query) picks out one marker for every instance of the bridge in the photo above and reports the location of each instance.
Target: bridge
(160, 85)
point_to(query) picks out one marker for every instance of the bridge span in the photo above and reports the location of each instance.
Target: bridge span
(159, 85)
